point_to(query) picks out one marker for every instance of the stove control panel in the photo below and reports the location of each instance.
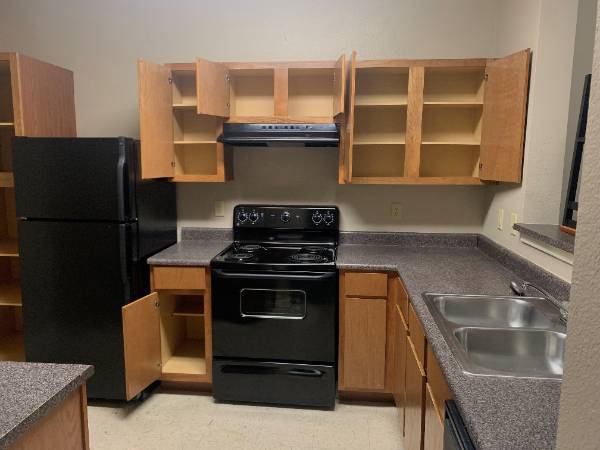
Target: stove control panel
(286, 217)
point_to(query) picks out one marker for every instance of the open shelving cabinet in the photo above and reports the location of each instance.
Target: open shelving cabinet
(36, 99)
(435, 121)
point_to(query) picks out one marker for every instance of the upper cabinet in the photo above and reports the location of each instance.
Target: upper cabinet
(183, 108)
(459, 121)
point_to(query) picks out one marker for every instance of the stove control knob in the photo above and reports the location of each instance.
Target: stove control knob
(285, 216)
(317, 217)
(328, 218)
(253, 217)
(242, 216)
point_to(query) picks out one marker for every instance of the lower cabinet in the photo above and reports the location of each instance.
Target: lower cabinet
(167, 334)
(433, 438)
(414, 424)
(399, 379)
(364, 343)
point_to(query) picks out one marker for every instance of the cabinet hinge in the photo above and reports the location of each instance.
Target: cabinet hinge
(481, 165)
(334, 77)
(227, 78)
(170, 80)
(156, 303)
(158, 364)
(172, 163)
(485, 76)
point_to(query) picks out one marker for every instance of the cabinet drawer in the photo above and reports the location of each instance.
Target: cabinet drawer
(402, 300)
(417, 335)
(440, 391)
(363, 284)
(178, 278)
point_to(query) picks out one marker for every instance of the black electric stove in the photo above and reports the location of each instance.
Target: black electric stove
(274, 307)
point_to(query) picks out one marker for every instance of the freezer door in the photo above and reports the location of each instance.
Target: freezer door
(75, 178)
(75, 279)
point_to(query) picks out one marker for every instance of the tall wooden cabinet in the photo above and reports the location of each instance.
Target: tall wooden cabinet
(457, 121)
(183, 108)
(36, 100)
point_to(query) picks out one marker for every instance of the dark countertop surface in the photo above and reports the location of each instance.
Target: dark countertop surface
(549, 234)
(500, 412)
(28, 391)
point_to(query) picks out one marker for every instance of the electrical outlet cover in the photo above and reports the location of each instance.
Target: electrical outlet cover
(219, 208)
(513, 220)
(500, 219)
(396, 210)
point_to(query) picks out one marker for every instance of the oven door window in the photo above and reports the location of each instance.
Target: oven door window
(273, 303)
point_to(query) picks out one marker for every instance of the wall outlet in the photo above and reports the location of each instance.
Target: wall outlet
(396, 211)
(500, 219)
(513, 220)
(219, 208)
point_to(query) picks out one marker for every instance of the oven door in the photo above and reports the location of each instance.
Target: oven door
(275, 316)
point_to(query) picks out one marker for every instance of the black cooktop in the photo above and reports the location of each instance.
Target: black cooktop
(269, 256)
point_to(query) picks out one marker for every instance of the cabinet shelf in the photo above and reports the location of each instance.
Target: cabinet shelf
(199, 142)
(185, 106)
(188, 358)
(451, 143)
(9, 247)
(12, 347)
(10, 293)
(7, 124)
(379, 142)
(450, 104)
(189, 308)
(366, 102)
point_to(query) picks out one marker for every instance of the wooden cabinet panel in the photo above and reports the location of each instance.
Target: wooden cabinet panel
(363, 284)
(417, 335)
(349, 138)
(156, 120)
(415, 398)
(402, 300)
(440, 391)
(434, 424)
(414, 121)
(43, 98)
(212, 84)
(339, 91)
(141, 339)
(399, 385)
(364, 343)
(504, 112)
(178, 278)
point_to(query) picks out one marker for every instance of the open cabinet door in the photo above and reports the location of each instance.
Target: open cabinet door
(349, 137)
(340, 86)
(43, 98)
(156, 120)
(141, 338)
(212, 88)
(503, 121)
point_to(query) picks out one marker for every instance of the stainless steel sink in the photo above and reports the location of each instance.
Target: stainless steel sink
(517, 352)
(501, 336)
(497, 312)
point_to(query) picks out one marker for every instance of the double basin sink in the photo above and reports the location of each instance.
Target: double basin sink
(501, 336)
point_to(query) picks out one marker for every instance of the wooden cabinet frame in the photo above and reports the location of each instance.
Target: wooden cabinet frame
(441, 121)
(168, 334)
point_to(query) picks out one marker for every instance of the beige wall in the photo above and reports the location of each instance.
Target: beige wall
(579, 417)
(100, 42)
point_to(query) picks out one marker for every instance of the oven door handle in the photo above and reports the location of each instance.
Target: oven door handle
(271, 275)
(261, 370)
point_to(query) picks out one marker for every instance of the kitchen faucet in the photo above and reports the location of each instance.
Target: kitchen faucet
(521, 290)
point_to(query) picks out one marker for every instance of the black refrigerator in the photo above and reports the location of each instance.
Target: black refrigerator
(87, 224)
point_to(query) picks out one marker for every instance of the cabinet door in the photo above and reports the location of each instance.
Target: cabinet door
(349, 141)
(141, 338)
(364, 322)
(434, 425)
(504, 112)
(399, 385)
(43, 98)
(212, 88)
(156, 120)
(415, 392)
(340, 86)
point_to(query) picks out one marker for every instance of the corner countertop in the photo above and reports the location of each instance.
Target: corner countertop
(500, 412)
(28, 391)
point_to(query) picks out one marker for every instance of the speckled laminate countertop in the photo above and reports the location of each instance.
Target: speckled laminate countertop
(500, 412)
(28, 391)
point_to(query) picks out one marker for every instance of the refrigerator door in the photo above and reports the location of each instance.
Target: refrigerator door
(75, 279)
(75, 178)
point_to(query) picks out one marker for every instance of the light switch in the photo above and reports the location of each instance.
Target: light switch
(219, 208)
(500, 219)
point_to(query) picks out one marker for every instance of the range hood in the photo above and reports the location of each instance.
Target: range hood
(280, 135)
